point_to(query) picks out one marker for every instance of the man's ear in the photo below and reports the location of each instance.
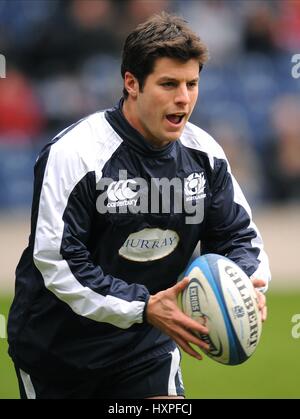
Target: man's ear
(131, 84)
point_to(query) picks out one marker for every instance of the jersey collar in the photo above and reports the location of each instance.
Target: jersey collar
(131, 136)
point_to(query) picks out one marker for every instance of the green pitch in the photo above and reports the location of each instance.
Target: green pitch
(8, 381)
(272, 372)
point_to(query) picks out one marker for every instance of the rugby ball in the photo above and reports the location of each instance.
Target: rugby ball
(221, 296)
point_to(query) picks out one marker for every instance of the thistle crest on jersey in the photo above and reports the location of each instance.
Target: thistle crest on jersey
(194, 186)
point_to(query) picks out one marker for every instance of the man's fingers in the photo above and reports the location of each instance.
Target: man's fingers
(197, 327)
(258, 283)
(261, 300)
(264, 314)
(187, 348)
(262, 305)
(187, 323)
(189, 336)
(181, 285)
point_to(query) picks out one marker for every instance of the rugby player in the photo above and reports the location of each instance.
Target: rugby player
(95, 312)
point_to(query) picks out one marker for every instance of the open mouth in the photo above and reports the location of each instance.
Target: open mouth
(175, 118)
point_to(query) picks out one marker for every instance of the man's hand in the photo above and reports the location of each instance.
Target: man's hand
(259, 283)
(164, 313)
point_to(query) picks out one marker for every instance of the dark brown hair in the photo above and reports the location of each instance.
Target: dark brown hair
(162, 35)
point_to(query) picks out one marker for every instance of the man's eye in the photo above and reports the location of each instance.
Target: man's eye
(192, 84)
(168, 84)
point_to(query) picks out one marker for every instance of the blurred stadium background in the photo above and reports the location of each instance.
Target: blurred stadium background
(62, 63)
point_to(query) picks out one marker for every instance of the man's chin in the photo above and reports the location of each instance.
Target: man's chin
(173, 136)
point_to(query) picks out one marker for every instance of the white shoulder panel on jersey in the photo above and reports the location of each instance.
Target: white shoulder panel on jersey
(107, 140)
(198, 139)
(85, 148)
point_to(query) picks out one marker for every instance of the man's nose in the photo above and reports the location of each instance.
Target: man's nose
(182, 95)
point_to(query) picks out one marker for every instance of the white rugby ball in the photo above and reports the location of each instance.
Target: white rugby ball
(221, 296)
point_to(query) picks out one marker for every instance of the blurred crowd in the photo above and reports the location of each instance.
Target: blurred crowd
(63, 62)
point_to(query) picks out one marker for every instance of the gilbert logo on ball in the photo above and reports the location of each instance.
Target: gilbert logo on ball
(221, 296)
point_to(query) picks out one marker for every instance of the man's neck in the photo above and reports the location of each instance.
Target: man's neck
(130, 115)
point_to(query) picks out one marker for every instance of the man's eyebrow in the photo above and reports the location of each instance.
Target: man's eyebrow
(173, 79)
(194, 80)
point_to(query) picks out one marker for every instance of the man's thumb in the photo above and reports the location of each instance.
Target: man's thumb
(181, 285)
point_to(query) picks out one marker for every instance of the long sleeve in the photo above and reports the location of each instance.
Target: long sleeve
(65, 212)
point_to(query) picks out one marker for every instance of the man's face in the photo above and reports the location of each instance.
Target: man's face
(162, 109)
